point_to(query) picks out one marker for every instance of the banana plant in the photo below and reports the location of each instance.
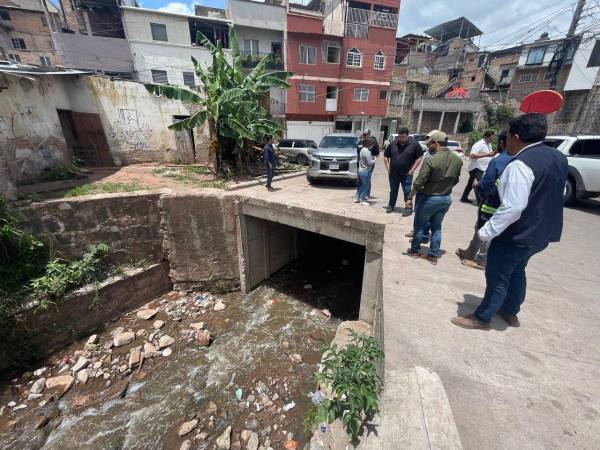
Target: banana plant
(230, 102)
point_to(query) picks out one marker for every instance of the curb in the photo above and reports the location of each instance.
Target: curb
(261, 181)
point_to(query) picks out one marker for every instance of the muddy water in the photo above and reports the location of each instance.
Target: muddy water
(254, 340)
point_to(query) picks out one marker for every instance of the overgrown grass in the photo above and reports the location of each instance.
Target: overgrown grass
(103, 188)
(189, 175)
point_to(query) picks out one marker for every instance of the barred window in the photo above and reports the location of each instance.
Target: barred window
(361, 95)
(306, 93)
(379, 60)
(354, 58)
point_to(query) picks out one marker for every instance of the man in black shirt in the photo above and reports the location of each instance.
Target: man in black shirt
(402, 158)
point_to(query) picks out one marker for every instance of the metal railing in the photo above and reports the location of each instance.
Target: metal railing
(372, 18)
(251, 59)
(307, 5)
(356, 30)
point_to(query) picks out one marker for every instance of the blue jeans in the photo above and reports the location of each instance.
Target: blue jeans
(395, 182)
(371, 170)
(270, 175)
(427, 227)
(364, 184)
(431, 210)
(505, 279)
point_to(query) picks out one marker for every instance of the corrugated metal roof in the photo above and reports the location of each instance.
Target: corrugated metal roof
(25, 69)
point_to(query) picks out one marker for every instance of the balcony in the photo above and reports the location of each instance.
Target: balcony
(372, 18)
(357, 30)
(251, 60)
(307, 5)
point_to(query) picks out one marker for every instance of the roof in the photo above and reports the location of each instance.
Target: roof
(413, 36)
(166, 13)
(257, 15)
(25, 69)
(31, 5)
(461, 27)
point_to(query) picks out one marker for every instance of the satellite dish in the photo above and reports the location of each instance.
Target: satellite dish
(543, 102)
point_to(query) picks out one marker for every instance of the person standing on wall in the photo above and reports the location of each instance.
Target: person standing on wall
(366, 161)
(369, 141)
(481, 155)
(475, 255)
(402, 158)
(439, 174)
(529, 218)
(269, 159)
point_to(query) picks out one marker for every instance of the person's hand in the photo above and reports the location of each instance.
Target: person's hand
(409, 204)
(411, 172)
(475, 183)
(270, 165)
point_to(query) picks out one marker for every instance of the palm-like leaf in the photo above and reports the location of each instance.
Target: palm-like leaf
(191, 122)
(173, 92)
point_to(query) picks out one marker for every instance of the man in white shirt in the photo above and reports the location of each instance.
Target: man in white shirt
(481, 155)
(529, 218)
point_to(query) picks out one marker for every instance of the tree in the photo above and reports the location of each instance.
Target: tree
(230, 104)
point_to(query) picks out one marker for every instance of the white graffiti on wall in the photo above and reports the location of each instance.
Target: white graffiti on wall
(127, 131)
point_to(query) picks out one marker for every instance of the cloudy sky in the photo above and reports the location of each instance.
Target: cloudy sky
(504, 22)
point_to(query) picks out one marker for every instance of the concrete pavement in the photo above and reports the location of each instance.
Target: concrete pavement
(537, 386)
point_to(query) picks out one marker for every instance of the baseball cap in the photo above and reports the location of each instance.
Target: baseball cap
(437, 136)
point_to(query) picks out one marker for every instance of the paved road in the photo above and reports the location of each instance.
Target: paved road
(537, 386)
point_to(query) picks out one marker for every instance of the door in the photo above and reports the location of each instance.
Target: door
(184, 145)
(91, 145)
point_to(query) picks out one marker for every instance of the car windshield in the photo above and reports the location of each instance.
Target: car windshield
(554, 142)
(339, 142)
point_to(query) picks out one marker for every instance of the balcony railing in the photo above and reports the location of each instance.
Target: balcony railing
(307, 5)
(357, 30)
(250, 60)
(372, 18)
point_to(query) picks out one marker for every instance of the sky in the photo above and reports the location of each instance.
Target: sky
(504, 22)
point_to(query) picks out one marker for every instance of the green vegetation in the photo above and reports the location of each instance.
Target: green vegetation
(189, 174)
(351, 375)
(230, 104)
(60, 173)
(102, 188)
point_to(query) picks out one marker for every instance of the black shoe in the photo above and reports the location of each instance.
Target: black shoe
(413, 253)
(389, 209)
(466, 200)
(407, 212)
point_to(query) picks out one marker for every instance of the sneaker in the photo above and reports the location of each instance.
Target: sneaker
(356, 200)
(365, 203)
(407, 212)
(389, 209)
(462, 253)
(510, 319)
(472, 264)
(470, 322)
(432, 259)
(413, 253)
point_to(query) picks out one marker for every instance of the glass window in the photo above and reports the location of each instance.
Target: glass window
(306, 93)
(587, 147)
(339, 142)
(504, 74)
(18, 43)
(333, 54)
(595, 56)
(159, 32)
(525, 78)
(285, 143)
(331, 92)
(13, 57)
(354, 58)
(45, 61)
(188, 79)
(251, 47)
(553, 142)
(361, 95)
(536, 55)
(159, 76)
(4, 15)
(481, 61)
(382, 94)
(308, 55)
(44, 21)
(379, 61)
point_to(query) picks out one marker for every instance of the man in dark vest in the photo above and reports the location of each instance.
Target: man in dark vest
(529, 218)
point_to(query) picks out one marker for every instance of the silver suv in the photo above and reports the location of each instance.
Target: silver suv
(298, 150)
(336, 158)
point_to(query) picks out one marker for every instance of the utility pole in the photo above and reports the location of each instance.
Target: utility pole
(560, 56)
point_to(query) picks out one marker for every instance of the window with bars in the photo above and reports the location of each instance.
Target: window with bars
(525, 78)
(51, 44)
(306, 93)
(361, 95)
(333, 54)
(308, 55)
(353, 58)
(4, 15)
(382, 94)
(13, 57)
(159, 32)
(188, 79)
(159, 76)
(18, 43)
(379, 60)
(45, 61)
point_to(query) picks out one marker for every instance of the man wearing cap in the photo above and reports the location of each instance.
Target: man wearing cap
(438, 175)
(529, 218)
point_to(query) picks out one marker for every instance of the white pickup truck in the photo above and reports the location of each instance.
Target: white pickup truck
(583, 154)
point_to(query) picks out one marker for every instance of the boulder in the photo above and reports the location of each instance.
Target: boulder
(252, 442)
(83, 376)
(246, 435)
(165, 341)
(197, 326)
(187, 427)
(63, 381)
(167, 351)
(150, 350)
(93, 339)
(219, 306)
(186, 445)
(81, 363)
(38, 387)
(146, 314)
(296, 358)
(224, 441)
(134, 358)
(212, 408)
(123, 338)
(203, 338)
(158, 324)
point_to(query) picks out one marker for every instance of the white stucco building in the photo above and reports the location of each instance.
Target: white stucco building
(163, 43)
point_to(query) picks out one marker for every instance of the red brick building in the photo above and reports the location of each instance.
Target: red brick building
(342, 55)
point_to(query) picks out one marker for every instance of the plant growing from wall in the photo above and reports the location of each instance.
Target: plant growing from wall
(351, 375)
(230, 104)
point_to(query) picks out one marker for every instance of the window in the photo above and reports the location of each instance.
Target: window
(308, 55)
(18, 43)
(354, 58)
(331, 92)
(472, 78)
(51, 44)
(13, 57)
(251, 47)
(379, 61)
(382, 94)
(45, 61)
(333, 54)
(396, 98)
(481, 61)
(44, 21)
(586, 147)
(306, 93)
(504, 74)
(4, 15)
(525, 78)
(361, 95)
(159, 32)
(595, 56)
(536, 55)
(285, 143)
(548, 76)
(188, 79)
(159, 76)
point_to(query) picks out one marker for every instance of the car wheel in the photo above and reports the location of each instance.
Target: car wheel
(313, 181)
(302, 160)
(570, 192)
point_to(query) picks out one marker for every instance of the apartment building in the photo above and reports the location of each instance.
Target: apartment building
(341, 53)
(163, 43)
(25, 32)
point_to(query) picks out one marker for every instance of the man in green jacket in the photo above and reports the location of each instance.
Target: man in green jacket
(438, 175)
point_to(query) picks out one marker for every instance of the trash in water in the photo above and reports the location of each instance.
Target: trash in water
(239, 393)
(317, 397)
(289, 406)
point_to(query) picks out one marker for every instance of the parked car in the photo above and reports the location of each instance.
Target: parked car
(335, 158)
(455, 147)
(297, 149)
(420, 138)
(583, 155)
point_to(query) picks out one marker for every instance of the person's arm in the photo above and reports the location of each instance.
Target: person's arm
(514, 189)
(480, 150)
(488, 181)
(419, 182)
(415, 166)
(386, 157)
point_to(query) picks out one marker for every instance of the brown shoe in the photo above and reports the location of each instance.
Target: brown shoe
(410, 234)
(431, 259)
(472, 264)
(510, 319)
(470, 322)
(461, 253)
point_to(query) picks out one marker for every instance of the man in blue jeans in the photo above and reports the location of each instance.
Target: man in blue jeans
(439, 174)
(269, 160)
(528, 219)
(402, 158)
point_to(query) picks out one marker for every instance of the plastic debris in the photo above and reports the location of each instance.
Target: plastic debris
(323, 428)
(239, 393)
(289, 406)
(200, 299)
(317, 397)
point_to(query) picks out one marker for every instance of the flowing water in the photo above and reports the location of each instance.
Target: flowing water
(256, 340)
